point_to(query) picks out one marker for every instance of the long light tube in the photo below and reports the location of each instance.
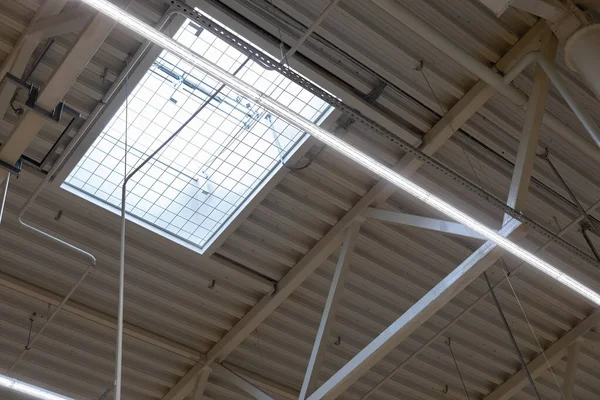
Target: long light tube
(329, 139)
(30, 390)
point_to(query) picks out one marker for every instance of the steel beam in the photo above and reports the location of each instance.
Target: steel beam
(201, 384)
(22, 51)
(59, 24)
(432, 141)
(571, 371)
(311, 378)
(240, 382)
(540, 364)
(532, 126)
(57, 87)
(394, 217)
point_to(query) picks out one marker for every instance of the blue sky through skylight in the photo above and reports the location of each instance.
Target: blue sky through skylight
(194, 185)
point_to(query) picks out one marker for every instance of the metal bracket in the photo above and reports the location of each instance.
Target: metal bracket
(31, 102)
(12, 169)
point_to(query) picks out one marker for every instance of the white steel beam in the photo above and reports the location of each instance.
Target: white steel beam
(571, 371)
(22, 51)
(532, 126)
(311, 378)
(57, 87)
(417, 315)
(201, 383)
(552, 10)
(59, 24)
(394, 217)
(458, 279)
(240, 382)
(540, 364)
(432, 141)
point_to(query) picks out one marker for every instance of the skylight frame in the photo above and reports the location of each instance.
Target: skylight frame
(289, 149)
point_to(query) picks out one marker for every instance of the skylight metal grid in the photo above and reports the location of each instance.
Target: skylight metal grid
(196, 183)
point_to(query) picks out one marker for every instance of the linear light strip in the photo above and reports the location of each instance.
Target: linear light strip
(206, 66)
(30, 390)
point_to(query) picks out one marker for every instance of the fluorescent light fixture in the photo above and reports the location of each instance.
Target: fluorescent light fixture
(30, 390)
(329, 139)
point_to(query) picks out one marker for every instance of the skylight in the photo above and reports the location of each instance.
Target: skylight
(195, 185)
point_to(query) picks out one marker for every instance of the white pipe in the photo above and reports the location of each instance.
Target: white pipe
(495, 80)
(51, 317)
(582, 53)
(4, 195)
(310, 30)
(550, 70)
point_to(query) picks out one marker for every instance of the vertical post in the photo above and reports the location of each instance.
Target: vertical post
(519, 187)
(311, 378)
(201, 384)
(571, 371)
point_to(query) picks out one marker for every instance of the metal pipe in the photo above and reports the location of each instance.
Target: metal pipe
(452, 50)
(4, 195)
(51, 317)
(582, 53)
(512, 337)
(310, 30)
(471, 307)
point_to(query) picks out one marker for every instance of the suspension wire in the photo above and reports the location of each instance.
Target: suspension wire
(464, 385)
(512, 338)
(591, 223)
(542, 352)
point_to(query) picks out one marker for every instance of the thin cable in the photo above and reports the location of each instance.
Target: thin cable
(449, 343)
(542, 352)
(512, 338)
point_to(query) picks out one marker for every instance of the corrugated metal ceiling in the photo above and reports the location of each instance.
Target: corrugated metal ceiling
(173, 315)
